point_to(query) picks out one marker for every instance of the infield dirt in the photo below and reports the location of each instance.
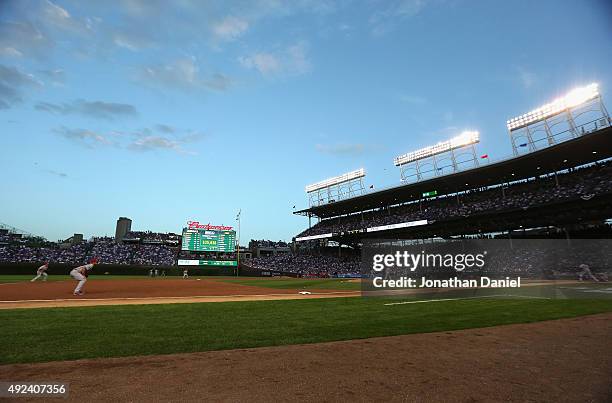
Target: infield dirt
(145, 291)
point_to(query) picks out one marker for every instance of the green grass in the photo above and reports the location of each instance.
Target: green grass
(16, 278)
(37, 335)
(298, 283)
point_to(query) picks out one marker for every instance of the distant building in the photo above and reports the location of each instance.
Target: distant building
(73, 240)
(261, 248)
(245, 254)
(124, 225)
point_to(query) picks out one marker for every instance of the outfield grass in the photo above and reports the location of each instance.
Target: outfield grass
(297, 283)
(36, 335)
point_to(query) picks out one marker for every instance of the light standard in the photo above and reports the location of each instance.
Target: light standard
(238, 243)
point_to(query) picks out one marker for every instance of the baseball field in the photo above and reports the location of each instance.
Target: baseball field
(258, 339)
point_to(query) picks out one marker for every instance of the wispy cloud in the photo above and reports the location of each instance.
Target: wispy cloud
(148, 143)
(38, 27)
(183, 74)
(412, 99)
(341, 149)
(292, 60)
(526, 78)
(13, 82)
(389, 14)
(62, 175)
(84, 137)
(131, 39)
(165, 128)
(32, 32)
(19, 38)
(230, 28)
(166, 138)
(265, 63)
(59, 17)
(54, 76)
(159, 137)
(94, 109)
(9, 51)
(219, 82)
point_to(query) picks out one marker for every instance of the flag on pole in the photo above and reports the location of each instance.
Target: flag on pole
(238, 215)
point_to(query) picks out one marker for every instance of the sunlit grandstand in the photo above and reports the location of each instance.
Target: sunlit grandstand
(558, 181)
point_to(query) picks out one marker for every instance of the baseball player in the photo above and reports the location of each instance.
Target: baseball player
(41, 272)
(81, 273)
(185, 274)
(586, 272)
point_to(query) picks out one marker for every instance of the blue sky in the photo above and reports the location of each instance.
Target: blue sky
(190, 110)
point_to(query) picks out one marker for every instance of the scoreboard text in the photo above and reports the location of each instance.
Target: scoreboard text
(207, 240)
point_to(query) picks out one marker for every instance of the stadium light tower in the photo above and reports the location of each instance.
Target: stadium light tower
(337, 188)
(416, 160)
(238, 216)
(560, 120)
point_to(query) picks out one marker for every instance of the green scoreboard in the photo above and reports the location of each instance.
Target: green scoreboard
(208, 240)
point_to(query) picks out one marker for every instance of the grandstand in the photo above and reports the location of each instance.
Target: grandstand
(565, 184)
(141, 248)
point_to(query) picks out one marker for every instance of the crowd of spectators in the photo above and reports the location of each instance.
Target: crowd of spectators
(154, 255)
(263, 243)
(582, 183)
(152, 237)
(307, 265)
(106, 249)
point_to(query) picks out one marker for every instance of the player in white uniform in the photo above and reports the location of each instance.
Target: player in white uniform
(586, 272)
(80, 274)
(41, 272)
(185, 273)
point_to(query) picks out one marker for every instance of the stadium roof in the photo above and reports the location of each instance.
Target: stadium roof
(591, 147)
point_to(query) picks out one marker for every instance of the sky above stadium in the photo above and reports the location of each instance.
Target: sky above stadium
(190, 110)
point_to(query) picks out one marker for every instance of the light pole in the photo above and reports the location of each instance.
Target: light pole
(238, 243)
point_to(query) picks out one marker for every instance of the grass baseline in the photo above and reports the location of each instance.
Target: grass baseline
(47, 334)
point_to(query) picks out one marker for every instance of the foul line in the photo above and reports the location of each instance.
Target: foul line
(178, 297)
(422, 301)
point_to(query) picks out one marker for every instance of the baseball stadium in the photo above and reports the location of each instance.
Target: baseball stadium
(469, 277)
